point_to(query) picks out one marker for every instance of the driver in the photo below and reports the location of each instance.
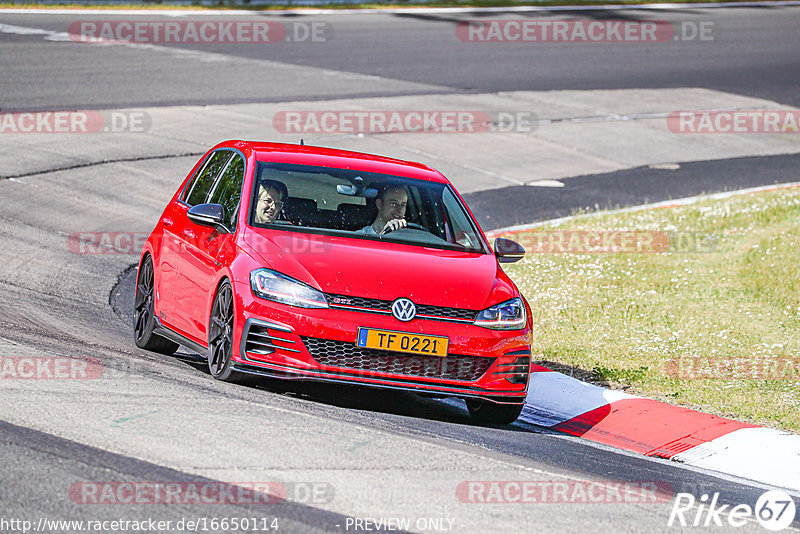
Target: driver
(271, 194)
(391, 203)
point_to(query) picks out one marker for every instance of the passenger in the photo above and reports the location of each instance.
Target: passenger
(391, 203)
(270, 201)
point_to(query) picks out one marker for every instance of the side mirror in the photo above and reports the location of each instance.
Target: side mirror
(508, 251)
(212, 215)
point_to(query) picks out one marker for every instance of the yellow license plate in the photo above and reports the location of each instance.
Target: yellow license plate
(402, 342)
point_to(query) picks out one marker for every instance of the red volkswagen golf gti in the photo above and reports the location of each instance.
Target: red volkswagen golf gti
(308, 263)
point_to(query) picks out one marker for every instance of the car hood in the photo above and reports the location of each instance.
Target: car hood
(383, 270)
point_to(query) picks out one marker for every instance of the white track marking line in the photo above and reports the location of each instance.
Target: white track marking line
(54, 36)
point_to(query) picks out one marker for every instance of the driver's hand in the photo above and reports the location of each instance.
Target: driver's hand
(394, 224)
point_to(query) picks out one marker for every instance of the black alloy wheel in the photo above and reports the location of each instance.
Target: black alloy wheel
(220, 336)
(144, 319)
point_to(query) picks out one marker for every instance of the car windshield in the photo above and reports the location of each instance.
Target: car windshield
(359, 204)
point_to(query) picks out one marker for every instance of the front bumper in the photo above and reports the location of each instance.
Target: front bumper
(274, 341)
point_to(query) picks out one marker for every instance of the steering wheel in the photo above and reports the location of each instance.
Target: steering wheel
(408, 226)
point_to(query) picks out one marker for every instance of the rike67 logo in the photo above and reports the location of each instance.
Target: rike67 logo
(774, 510)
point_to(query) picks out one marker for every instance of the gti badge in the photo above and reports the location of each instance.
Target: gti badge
(403, 309)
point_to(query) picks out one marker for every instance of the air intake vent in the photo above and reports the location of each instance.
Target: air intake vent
(260, 339)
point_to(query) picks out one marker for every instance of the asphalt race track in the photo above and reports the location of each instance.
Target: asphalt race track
(753, 53)
(340, 455)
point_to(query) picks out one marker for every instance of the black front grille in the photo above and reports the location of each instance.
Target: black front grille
(452, 313)
(386, 305)
(344, 300)
(351, 356)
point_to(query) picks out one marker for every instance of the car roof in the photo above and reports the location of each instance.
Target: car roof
(342, 159)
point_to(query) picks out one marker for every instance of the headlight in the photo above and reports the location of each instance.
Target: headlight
(508, 315)
(272, 285)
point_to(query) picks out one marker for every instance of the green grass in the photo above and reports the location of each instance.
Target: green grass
(716, 330)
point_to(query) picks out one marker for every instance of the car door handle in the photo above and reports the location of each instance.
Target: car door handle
(188, 234)
(167, 222)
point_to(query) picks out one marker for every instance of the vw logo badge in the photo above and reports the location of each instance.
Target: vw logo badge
(403, 309)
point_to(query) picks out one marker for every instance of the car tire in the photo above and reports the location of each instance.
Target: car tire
(490, 412)
(144, 318)
(220, 336)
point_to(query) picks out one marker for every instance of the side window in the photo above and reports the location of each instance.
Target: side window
(198, 189)
(228, 190)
